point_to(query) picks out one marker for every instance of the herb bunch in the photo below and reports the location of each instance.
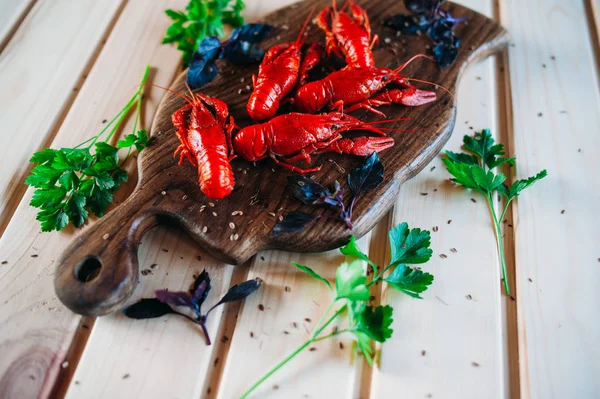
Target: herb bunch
(200, 19)
(360, 181)
(167, 302)
(353, 290)
(72, 182)
(428, 18)
(474, 169)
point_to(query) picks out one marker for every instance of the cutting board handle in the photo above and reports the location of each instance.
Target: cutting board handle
(100, 270)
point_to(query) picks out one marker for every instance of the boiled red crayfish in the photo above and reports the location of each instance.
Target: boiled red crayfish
(361, 88)
(204, 128)
(348, 36)
(295, 136)
(280, 71)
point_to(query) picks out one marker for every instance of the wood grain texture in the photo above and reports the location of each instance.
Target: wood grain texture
(40, 73)
(12, 13)
(279, 318)
(450, 344)
(170, 194)
(555, 106)
(35, 328)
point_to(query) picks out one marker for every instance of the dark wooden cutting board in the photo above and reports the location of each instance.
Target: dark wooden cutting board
(99, 271)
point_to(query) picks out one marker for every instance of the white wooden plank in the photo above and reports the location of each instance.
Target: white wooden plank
(133, 358)
(278, 319)
(39, 71)
(35, 328)
(11, 14)
(450, 344)
(555, 106)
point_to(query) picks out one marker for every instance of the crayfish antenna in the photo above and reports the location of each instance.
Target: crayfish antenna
(401, 67)
(430, 83)
(305, 25)
(187, 100)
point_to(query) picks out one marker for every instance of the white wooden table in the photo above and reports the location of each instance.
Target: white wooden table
(66, 65)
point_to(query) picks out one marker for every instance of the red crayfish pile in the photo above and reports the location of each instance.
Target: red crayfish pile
(205, 127)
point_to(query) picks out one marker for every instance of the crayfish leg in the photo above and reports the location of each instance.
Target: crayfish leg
(292, 167)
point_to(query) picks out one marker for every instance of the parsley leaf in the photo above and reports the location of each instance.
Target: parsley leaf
(313, 274)
(375, 322)
(351, 249)
(409, 245)
(203, 18)
(473, 170)
(410, 281)
(351, 281)
(72, 182)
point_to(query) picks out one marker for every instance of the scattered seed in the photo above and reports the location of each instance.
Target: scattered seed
(424, 193)
(286, 332)
(163, 192)
(453, 250)
(202, 208)
(247, 87)
(262, 258)
(443, 256)
(313, 349)
(251, 334)
(234, 213)
(153, 266)
(562, 212)
(146, 272)
(4, 262)
(104, 120)
(449, 221)
(204, 230)
(423, 353)
(285, 27)
(224, 339)
(552, 57)
(275, 387)
(512, 298)
(530, 280)
(242, 80)
(307, 320)
(272, 214)
(387, 40)
(215, 214)
(231, 237)
(543, 65)
(231, 225)
(280, 218)
(540, 114)
(211, 204)
(473, 200)
(469, 297)
(509, 225)
(105, 236)
(165, 250)
(435, 228)
(341, 345)
(287, 289)
(236, 237)
(65, 364)
(126, 376)
(261, 307)
(475, 364)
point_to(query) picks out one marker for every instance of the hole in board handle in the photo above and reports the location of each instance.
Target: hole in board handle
(88, 269)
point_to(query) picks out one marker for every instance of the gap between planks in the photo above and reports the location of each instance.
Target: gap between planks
(15, 23)
(20, 188)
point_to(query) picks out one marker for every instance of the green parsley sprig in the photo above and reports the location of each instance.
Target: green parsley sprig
(473, 170)
(203, 18)
(72, 182)
(352, 292)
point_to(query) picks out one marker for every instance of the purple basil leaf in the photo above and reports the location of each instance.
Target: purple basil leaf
(306, 190)
(238, 292)
(202, 66)
(241, 47)
(408, 24)
(201, 289)
(367, 176)
(444, 54)
(147, 308)
(176, 299)
(293, 222)
(422, 6)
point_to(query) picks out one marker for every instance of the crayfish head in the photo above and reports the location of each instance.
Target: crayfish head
(250, 142)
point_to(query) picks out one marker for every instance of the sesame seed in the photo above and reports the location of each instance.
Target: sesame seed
(272, 214)
(236, 237)
(163, 192)
(205, 229)
(211, 204)
(105, 236)
(215, 214)
(184, 197)
(387, 40)
(280, 218)
(231, 225)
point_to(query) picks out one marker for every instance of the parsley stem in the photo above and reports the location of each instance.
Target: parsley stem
(333, 334)
(317, 331)
(499, 241)
(274, 369)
